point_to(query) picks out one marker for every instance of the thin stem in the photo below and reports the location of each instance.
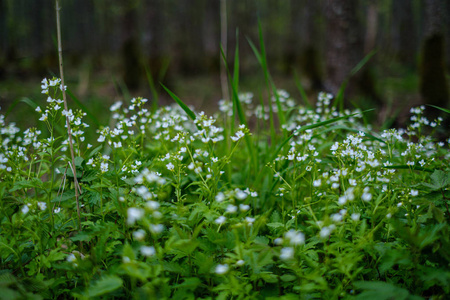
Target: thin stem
(69, 131)
(223, 41)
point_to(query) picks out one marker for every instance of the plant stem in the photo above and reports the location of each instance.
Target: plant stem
(63, 89)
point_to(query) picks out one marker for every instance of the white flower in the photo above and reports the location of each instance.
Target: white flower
(134, 214)
(244, 207)
(249, 220)
(326, 231)
(231, 208)
(57, 210)
(355, 216)
(104, 167)
(287, 253)
(25, 209)
(220, 197)
(317, 183)
(238, 136)
(241, 195)
(153, 205)
(139, 234)
(278, 241)
(366, 196)
(240, 263)
(71, 258)
(295, 237)
(414, 193)
(170, 166)
(221, 269)
(220, 220)
(148, 250)
(42, 205)
(115, 106)
(156, 228)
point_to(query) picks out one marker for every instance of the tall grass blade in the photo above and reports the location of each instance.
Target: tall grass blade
(440, 108)
(312, 126)
(236, 103)
(262, 59)
(234, 88)
(186, 109)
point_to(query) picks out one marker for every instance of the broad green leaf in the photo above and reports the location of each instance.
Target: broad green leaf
(379, 290)
(104, 285)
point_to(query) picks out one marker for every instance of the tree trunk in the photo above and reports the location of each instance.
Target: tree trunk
(433, 83)
(344, 43)
(344, 50)
(132, 70)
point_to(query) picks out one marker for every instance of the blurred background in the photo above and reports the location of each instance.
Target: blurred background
(114, 50)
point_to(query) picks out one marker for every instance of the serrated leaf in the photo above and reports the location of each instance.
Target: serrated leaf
(104, 286)
(275, 225)
(70, 194)
(440, 179)
(27, 184)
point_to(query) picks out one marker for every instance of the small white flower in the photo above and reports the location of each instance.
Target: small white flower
(244, 207)
(25, 209)
(148, 250)
(355, 216)
(104, 167)
(241, 195)
(249, 220)
(42, 205)
(317, 183)
(220, 197)
(221, 269)
(156, 228)
(240, 263)
(295, 237)
(287, 253)
(414, 193)
(278, 241)
(231, 208)
(139, 234)
(170, 166)
(134, 214)
(220, 220)
(71, 258)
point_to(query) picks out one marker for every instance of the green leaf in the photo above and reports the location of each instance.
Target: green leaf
(186, 109)
(288, 277)
(440, 108)
(439, 180)
(104, 286)
(379, 290)
(27, 184)
(67, 195)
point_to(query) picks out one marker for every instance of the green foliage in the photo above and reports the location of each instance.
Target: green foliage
(175, 206)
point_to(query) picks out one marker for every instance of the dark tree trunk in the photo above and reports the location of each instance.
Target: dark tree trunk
(344, 43)
(404, 32)
(344, 50)
(131, 56)
(433, 83)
